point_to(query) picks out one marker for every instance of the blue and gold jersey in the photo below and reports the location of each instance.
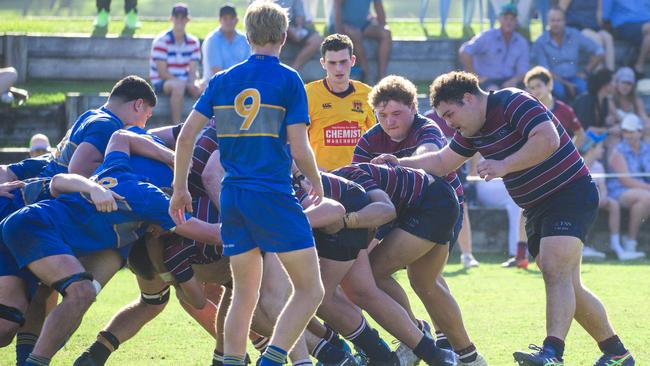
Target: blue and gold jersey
(35, 189)
(253, 103)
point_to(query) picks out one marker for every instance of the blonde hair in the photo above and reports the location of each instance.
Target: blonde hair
(266, 22)
(396, 88)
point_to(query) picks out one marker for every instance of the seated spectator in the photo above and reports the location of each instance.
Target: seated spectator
(631, 156)
(499, 57)
(631, 22)
(224, 46)
(593, 153)
(301, 33)
(39, 144)
(596, 109)
(539, 83)
(175, 55)
(352, 17)
(558, 49)
(625, 98)
(584, 16)
(8, 93)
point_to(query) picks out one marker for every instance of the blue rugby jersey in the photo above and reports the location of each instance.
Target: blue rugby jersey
(35, 189)
(253, 103)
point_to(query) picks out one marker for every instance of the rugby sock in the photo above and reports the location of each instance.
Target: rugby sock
(24, 345)
(326, 352)
(305, 362)
(329, 333)
(34, 360)
(556, 344)
(421, 325)
(217, 358)
(99, 353)
(521, 250)
(612, 346)
(468, 354)
(233, 360)
(261, 343)
(426, 350)
(442, 341)
(368, 340)
(273, 356)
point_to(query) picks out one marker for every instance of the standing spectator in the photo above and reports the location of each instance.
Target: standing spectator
(39, 144)
(224, 46)
(339, 113)
(584, 16)
(596, 109)
(539, 83)
(9, 93)
(130, 11)
(558, 49)
(631, 155)
(631, 21)
(625, 98)
(352, 17)
(499, 57)
(302, 33)
(175, 56)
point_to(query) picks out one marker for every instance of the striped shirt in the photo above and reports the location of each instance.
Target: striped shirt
(423, 131)
(511, 115)
(404, 186)
(335, 187)
(177, 55)
(205, 145)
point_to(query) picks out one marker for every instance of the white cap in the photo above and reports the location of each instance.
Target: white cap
(631, 122)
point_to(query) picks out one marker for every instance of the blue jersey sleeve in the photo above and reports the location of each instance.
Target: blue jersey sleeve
(98, 133)
(206, 101)
(297, 111)
(153, 206)
(30, 167)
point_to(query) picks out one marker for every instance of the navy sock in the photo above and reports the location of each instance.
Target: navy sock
(274, 356)
(468, 354)
(612, 346)
(368, 340)
(556, 344)
(326, 352)
(442, 341)
(426, 350)
(24, 346)
(99, 353)
(217, 358)
(34, 360)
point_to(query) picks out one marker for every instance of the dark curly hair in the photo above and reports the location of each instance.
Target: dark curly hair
(451, 87)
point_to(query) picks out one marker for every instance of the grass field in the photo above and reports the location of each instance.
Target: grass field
(503, 311)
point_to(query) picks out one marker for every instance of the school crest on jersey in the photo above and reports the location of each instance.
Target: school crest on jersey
(357, 106)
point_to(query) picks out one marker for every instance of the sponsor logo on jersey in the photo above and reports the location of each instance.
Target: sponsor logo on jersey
(327, 105)
(344, 133)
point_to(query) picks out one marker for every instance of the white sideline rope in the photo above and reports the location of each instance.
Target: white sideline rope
(476, 178)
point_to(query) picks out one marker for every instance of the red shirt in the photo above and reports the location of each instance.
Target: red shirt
(567, 116)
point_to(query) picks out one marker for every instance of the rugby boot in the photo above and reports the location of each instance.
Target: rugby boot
(612, 360)
(541, 357)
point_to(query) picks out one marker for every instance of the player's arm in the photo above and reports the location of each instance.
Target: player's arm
(200, 231)
(166, 134)
(327, 213)
(304, 158)
(104, 199)
(425, 148)
(134, 144)
(85, 160)
(438, 163)
(6, 188)
(181, 199)
(6, 175)
(211, 177)
(380, 211)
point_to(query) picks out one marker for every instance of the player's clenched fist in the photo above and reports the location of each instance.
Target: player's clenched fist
(385, 159)
(104, 199)
(489, 169)
(180, 203)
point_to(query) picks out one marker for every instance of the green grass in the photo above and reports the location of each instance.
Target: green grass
(503, 311)
(47, 92)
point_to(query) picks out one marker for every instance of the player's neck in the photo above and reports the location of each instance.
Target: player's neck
(338, 87)
(267, 50)
(547, 101)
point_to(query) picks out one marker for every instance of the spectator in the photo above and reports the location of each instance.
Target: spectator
(558, 49)
(539, 83)
(584, 16)
(224, 46)
(631, 21)
(631, 156)
(625, 98)
(301, 33)
(9, 93)
(39, 144)
(130, 11)
(596, 109)
(175, 55)
(499, 57)
(352, 17)
(593, 152)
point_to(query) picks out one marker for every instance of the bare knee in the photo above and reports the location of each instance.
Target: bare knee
(312, 293)
(8, 330)
(80, 295)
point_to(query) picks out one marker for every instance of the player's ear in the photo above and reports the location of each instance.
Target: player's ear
(322, 63)
(353, 60)
(138, 104)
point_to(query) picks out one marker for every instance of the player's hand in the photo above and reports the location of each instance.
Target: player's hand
(490, 169)
(6, 188)
(104, 199)
(333, 228)
(385, 159)
(180, 203)
(316, 193)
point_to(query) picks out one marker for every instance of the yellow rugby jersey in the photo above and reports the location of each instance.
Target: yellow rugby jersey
(337, 121)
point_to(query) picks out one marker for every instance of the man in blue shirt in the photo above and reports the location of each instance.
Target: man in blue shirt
(631, 20)
(46, 238)
(225, 46)
(259, 106)
(558, 49)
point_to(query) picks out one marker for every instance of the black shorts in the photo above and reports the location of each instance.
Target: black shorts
(457, 227)
(569, 212)
(435, 216)
(346, 244)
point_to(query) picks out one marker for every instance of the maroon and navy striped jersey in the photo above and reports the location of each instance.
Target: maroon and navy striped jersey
(334, 187)
(423, 131)
(511, 115)
(404, 186)
(205, 146)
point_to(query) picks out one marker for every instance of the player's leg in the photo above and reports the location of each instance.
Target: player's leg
(13, 305)
(34, 317)
(175, 88)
